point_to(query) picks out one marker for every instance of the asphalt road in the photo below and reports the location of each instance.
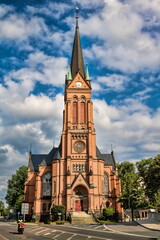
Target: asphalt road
(77, 232)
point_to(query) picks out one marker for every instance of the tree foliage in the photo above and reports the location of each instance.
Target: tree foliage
(58, 209)
(141, 188)
(3, 211)
(149, 172)
(108, 212)
(15, 191)
(132, 195)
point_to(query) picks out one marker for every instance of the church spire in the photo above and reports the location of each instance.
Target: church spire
(77, 64)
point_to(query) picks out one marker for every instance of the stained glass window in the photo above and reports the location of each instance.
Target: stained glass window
(47, 182)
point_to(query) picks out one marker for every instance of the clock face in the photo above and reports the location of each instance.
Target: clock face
(78, 84)
(79, 146)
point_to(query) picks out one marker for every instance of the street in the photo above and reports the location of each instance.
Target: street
(130, 231)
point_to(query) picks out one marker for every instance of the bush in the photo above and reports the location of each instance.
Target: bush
(108, 212)
(58, 209)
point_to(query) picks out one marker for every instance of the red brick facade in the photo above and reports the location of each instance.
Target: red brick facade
(75, 174)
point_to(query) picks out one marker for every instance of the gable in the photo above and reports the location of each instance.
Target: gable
(79, 180)
(78, 83)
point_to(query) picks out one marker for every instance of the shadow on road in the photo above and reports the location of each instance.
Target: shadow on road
(14, 232)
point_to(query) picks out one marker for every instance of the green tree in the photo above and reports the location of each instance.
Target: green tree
(15, 191)
(157, 200)
(132, 195)
(1, 207)
(58, 209)
(3, 210)
(108, 212)
(149, 172)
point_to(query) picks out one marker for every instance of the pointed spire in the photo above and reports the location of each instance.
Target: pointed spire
(77, 64)
(87, 73)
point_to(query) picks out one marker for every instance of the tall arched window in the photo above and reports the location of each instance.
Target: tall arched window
(54, 187)
(75, 110)
(106, 184)
(82, 112)
(82, 109)
(47, 182)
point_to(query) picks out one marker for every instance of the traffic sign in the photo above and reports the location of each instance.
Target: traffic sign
(25, 208)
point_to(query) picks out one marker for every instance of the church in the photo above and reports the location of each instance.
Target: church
(74, 174)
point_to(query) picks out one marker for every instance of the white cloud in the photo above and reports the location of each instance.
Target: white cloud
(146, 6)
(153, 146)
(131, 128)
(19, 28)
(89, 4)
(41, 68)
(4, 9)
(114, 82)
(125, 46)
(54, 10)
(51, 70)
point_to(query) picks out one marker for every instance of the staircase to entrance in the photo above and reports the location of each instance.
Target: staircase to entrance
(82, 217)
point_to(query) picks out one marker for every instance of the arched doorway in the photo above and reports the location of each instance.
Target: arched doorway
(81, 198)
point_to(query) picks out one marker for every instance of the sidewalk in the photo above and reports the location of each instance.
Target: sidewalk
(151, 224)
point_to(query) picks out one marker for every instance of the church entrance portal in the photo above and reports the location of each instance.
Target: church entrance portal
(81, 198)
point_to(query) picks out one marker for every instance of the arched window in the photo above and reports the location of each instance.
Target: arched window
(54, 187)
(44, 207)
(106, 184)
(82, 112)
(47, 182)
(82, 109)
(75, 110)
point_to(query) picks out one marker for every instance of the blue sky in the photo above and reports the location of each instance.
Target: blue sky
(121, 45)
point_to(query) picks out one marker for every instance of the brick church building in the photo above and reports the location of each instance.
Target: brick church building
(74, 174)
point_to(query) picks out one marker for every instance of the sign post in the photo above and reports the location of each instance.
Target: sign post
(25, 209)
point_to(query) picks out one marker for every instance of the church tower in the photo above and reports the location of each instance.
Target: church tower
(76, 174)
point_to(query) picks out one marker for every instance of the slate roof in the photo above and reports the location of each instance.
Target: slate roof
(44, 159)
(107, 157)
(77, 64)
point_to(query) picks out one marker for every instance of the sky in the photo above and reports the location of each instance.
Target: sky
(121, 45)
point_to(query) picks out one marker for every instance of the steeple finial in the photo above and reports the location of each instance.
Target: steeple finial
(77, 11)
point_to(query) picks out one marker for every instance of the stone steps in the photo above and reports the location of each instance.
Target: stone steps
(82, 218)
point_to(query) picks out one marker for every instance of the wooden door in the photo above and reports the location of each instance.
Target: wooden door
(79, 205)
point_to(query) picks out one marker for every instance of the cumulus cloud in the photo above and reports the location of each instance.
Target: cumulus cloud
(114, 82)
(5, 9)
(40, 68)
(54, 10)
(19, 28)
(126, 46)
(131, 128)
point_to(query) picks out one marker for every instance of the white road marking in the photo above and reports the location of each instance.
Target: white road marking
(36, 229)
(125, 233)
(46, 229)
(98, 227)
(71, 236)
(58, 235)
(47, 234)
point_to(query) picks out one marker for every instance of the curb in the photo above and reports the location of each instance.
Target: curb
(152, 229)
